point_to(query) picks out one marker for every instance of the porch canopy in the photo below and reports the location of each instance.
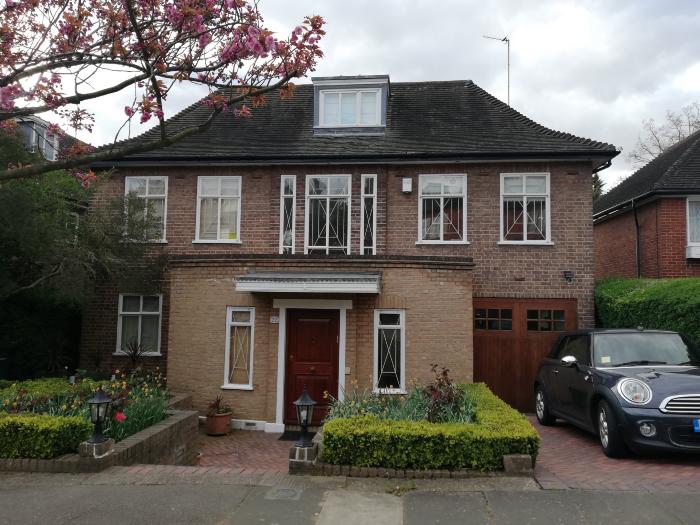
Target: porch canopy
(295, 282)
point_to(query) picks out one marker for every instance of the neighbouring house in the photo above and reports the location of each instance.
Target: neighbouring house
(356, 233)
(649, 225)
(39, 138)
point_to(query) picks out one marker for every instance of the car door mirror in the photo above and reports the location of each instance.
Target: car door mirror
(568, 361)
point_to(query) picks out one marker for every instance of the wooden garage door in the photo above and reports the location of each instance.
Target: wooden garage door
(511, 336)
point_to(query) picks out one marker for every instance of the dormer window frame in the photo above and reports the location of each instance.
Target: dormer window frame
(358, 107)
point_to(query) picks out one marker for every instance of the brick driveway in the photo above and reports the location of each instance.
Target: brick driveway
(572, 458)
(244, 449)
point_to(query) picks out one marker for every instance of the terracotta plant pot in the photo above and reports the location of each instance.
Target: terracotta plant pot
(218, 424)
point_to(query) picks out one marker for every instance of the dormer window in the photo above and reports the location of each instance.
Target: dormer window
(350, 107)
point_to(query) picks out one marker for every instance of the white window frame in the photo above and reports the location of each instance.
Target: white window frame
(293, 178)
(362, 213)
(423, 176)
(375, 372)
(357, 93)
(524, 195)
(227, 357)
(689, 199)
(164, 178)
(197, 240)
(140, 313)
(307, 207)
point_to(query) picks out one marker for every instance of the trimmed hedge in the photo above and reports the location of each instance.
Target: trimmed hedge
(665, 304)
(40, 436)
(497, 430)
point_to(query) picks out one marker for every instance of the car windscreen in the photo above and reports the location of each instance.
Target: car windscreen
(640, 349)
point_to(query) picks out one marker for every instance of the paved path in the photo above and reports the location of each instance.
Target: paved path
(246, 449)
(199, 495)
(572, 458)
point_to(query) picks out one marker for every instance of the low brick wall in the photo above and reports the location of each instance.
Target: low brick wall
(180, 401)
(173, 441)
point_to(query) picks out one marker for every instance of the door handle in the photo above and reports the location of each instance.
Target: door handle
(556, 371)
(312, 369)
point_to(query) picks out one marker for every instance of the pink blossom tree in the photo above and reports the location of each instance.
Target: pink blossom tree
(55, 54)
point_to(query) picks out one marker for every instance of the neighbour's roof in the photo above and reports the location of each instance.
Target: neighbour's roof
(451, 120)
(677, 170)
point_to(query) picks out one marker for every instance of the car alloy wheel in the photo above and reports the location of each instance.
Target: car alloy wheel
(539, 404)
(603, 427)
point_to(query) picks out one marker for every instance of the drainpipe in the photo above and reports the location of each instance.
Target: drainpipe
(636, 239)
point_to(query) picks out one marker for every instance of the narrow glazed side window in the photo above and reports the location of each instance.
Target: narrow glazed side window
(287, 214)
(389, 351)
(368, 213)
(240, 342)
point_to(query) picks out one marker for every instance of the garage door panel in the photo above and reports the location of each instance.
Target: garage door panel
(507, 355)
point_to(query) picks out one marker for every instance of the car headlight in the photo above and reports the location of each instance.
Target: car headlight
(634, 391)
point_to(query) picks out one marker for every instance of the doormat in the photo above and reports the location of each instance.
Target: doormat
(294, 435)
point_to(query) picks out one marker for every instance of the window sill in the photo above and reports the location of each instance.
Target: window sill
(215, 241)
(692, 251)
(146, 354)
(236, 387)
(525, 243)
(443, 242)
(389, 391)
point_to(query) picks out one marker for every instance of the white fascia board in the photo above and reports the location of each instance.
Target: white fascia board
(307, 287)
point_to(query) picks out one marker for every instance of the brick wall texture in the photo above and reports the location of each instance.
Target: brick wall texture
(198, 283)
(662, 239)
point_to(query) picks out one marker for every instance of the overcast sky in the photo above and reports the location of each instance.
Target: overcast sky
(592, 68)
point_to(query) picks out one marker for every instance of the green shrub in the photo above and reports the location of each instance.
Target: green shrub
(665, 304)
(368, 441)
(41, 436)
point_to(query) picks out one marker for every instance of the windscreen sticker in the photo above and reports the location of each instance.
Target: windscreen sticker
(605, 359)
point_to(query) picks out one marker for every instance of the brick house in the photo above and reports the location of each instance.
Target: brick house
(357, 232)
(649, 225)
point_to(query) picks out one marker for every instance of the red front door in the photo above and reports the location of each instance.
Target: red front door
(311, 360)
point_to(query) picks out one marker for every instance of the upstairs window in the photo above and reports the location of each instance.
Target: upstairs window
(368, 227)
(288, 201)
(525, 208)
(327, 214)
(350, 107)
(442, 213)
(694, 221)
(218, 209)
(153, 192)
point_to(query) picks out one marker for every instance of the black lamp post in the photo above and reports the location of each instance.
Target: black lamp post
(305, 411)
(99, 406)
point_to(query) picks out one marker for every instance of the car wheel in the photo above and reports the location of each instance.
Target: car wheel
(610, 436)
(542, 408)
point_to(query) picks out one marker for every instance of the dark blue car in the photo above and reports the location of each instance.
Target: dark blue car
(639, 390)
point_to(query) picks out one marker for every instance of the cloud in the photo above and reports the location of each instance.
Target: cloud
(593, 68)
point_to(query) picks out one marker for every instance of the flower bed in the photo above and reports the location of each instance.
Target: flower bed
(139, 401)
(379, 440)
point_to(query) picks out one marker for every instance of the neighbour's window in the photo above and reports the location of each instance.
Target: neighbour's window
(694, 220)
(577, 346)
(493, 319)
(368, 215)
(442, 214)
(218, 209)
(525, 208)
(288, 200)
(240, 341)
(350, 108)
(546, 320)
(328, 214)
(139, 323)
(153, 192)
(389, 350)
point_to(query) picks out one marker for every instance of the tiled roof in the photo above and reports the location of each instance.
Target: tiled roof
(677, 169)
(425, 120)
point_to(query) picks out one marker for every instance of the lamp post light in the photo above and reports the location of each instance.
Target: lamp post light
(99, 407)
(305, 410)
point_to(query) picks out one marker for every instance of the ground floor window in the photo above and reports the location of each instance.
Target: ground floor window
(389, 350)
(240, 337)
(139, 324)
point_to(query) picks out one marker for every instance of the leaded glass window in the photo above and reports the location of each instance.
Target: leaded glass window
(218, 209)
(443, 208)
(287, 213)
(368, 225)
(389, 350)
(328, 214)
(239, 348)
(139, 322)
(694, 220)
(525, 207)
(152, 192)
